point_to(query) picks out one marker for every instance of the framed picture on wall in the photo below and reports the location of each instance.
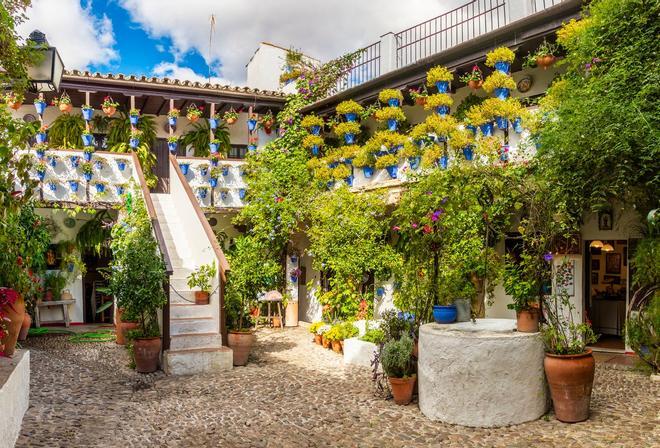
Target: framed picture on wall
(612, 280)
(605, 220)
(595, 265)
(594, 278)
(612, 263)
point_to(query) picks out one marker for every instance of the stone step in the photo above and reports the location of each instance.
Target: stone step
(194, 361)
(193, 325)
(195, 340)
(183, 310)
(183, 297)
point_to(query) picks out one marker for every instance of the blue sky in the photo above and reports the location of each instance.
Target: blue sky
(171, 37)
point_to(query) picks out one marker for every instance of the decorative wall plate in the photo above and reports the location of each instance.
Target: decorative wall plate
(525, 84)
(69, 222)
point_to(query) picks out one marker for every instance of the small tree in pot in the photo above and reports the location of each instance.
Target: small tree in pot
(136, 277)
(202, 279)
(397, 361)
(569, 365)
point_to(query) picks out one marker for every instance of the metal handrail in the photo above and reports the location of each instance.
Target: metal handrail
(367, 67)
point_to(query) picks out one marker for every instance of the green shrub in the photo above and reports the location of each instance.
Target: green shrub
(396, 358)
(643, 333)
(374, 335)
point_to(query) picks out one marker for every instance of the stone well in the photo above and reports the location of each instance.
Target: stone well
(482, 374)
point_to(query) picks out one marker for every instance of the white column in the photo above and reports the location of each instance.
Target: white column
(387, 53)
(518, 9)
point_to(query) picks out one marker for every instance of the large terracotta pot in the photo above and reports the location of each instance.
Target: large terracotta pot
(336, 346)
(527, 321)
(241, 343)
(147, 353)
(402, 389)
(121, 332)
(25, 327)
(14, 314)
(571, 378)
(201, 298)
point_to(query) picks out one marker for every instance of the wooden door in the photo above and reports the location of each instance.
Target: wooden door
(162, 168)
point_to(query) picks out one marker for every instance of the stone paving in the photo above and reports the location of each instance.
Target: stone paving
(292, 394)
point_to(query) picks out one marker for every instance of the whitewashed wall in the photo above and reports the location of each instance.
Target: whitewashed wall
(231, 184)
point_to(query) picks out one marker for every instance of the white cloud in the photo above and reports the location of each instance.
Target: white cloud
(320, 28)
(172, 70)
(81, 38)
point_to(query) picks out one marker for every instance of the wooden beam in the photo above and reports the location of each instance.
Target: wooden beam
(160, 108)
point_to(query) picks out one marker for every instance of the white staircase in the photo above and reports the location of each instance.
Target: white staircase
(196, 343)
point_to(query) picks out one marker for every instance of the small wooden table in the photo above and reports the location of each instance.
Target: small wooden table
(64, 304)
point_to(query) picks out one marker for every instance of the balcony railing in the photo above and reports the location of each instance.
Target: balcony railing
(365, 68)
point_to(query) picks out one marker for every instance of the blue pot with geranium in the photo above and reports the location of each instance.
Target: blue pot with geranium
(100, 187)
(119, 189)
(172, 146)
(471, 128)
(252, 124)
(213, 147)
(87, 113)
(75, 161)
(349, 180)
(202, 193)
(134, 119)
(40, 153)
(316, 129)
(442, 86)
(252, 147)
(87, 155)
(444, 314)
(368, 171)
(87, 139)
(52, 161)
(121, 165)
(87, 176)
(315, 150)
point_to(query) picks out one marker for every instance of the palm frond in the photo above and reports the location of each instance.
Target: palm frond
(198, 137)
(65, 132)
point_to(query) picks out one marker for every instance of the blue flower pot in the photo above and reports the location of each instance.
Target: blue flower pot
(349, 180)
(294, 278)
(134, 142)
(223, 195)
(87, 114)
(393, 102)
(252, 147)
(487, 129)
(315, 150)
(75, 161)
(517, 125)
(87, 156)
(52, 161)
(213, 123)
(442, 110)
(468, 153)
(134, 119)
(444, 161)
(121, 165)
(73, 184)
(202, 193)
(52, 186)
(98, 164)
(41, 153)
(252, 124)
(330, 184)
(502, 93)
(213, 147)
(40, 107)
(87, 139)
(316, 129)
(87, 176)
(119, 190)
(392, 124)
(214, 162)
(368, 171)
(203, 171)
(184, 168)
(444, 314)
(100, 188)
(380, 291)
(471, 128)
(225, 171)
(172, 147)
(332, 165)
(40, 137)
(349, 138)
(414, 162)
(502, 123)
(171, 121)
(213, 182)
(41, 175)
(294, 259)
(241, 193)
(442, 86)
(352, 116)
(392, 170)
(503, 67)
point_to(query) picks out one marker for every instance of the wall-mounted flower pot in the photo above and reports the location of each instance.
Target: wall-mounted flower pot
(252, 147)
(87, 114)
(251, 124)
(294, 279)
(349, 138)
(225, 171)
(184, 168)
(571, 379)
(443, 161)
(73, 184)
(146, 352)
(213, 123)
(392, 170)
(444, 314)
(87, 176)
(223, 195)
(214, 162)
(368, 171)
(517, 125)
(40, 137)
(503, 67)
(414, 162)
(134, 142)
(87, 155)
(471, 128)
(349, 180)
(487, 129)
(40, 106)
(203, 171)
(172, 147)
(98, 165)
(316, 129)
(392, 124)
(468, 153)
(171, 121)
(213, 182)
(202, 192)
(502, 93)
(213, 147)
(502, 123)
(109, 110)
(75, 161)
(442, 110)
(41, 175)
(100, 188)
(41, 153)
(393, 102)
(442, 86)
(134, 119)
(315, 150)
(52, 186)
(52, 161)
(121, 165)
(351, 116)
(119, 190)
(241, 193)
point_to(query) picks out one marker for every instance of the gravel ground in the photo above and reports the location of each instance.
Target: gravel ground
(292, 394)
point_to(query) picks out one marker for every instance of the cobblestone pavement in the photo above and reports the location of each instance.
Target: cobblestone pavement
(292, 394)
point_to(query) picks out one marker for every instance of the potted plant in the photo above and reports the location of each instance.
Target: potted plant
(474, 79)
(203, 169)
(350, 109)
(202, 192)
(391, 97)
(109, 106)
(214, 145)
(347, 131)
(87, 137)
(501, 59)
(419, 96)
(134, 116)
(52, 160)
(75, 161)
(253, 142)
(267, 121)
(313, 143)
(463, 140)
(335, 335)
(14, 100)
(231, 116)
(569, 365)
(87, 153)
(73, 185)
(87, 112)
(184, 167)
(439, 77)
(389, 162)
(120, 188)
(524, 291)
(172, 116)
(396, 359)
(544, 56)
(325, 342)
(41, 136)
(213, 121)
(63, 103)
(100, 186)
(392, 116)
(252, 121)
(313, 329)
(214, 175)
(134, 140)
(193, 112)
(440, 103)
(172, 143)
(40, 105)
(121, 164)
(312, 123)
(202, 279)
(500, 83)
(40, 169)
(87, 170)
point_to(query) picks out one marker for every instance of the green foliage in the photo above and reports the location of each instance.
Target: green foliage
(199, 136)
(341, 331)
(470, 101)
(396, 358)
(202, 278)
(65, 132)
(646, 260)
(15, 53)
(523, 290)
(643, 333)
(438, 73)
(600, 141)
(55, 283)
(374, 335)
(315, 326)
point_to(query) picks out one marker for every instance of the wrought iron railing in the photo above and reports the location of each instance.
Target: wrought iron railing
(449, 29)
(365, 68)
(540, 5)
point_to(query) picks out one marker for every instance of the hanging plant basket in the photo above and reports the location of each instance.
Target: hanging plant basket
(545, 61)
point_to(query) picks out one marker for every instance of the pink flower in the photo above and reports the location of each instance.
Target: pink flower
(414, 225)
(396, 228)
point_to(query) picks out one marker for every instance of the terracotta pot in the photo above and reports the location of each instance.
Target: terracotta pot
(318, 339)
(325, 342)
(527, 321)
(475, 85)
(241, 344)
(545, 61)
(14, 314)
(66, 108)
(121, 331)
(109, 111)
(402, 389)
(15, 105)
(192, 118)
(201, 298)
(276, 322)
(25, 327)
(336, 346)
(48, 296)
(147, 353)
(420, 101)
(571, 378)
(231, 120)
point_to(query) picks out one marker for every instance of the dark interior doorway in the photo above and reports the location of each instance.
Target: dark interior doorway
(162, 168)
(93, 285)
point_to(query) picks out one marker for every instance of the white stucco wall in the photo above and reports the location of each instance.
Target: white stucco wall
(14, 395)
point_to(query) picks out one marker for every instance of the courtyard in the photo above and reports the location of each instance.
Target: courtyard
(292, 393)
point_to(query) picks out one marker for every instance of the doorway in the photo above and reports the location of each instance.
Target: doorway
(94, 293)
(607, 291)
